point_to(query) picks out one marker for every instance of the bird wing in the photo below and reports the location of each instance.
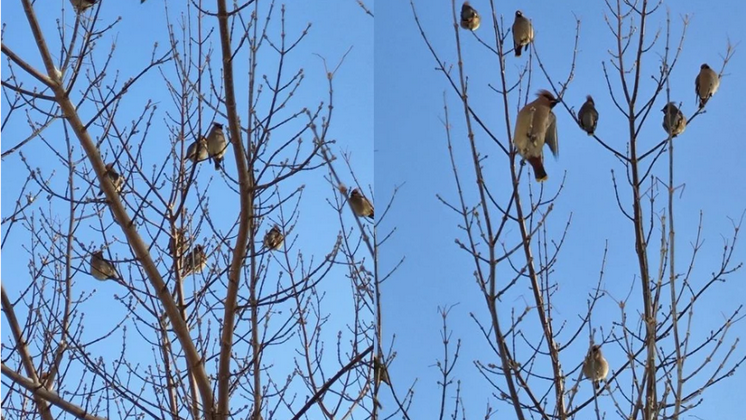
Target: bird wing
(466, 12)
(525, 131)
(550, 138)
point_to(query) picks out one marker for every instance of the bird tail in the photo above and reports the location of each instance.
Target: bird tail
(217, 163)
(539, 172)
(518, 49)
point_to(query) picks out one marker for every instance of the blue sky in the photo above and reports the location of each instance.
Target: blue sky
(315, 227)
(410, 137)
(389, 98)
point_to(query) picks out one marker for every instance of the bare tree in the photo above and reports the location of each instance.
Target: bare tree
(511, 233)
(216, 305)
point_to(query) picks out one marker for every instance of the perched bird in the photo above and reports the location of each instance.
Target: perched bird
(194, 262)
(706, 84)
(180, 243)
(360, 205)
(535, 126)
(595, 367)
(523, 32)
(588, 116)
(380, 372)
(197, 151)
(81, 6)
(469, 17)
(273, 238)
(216, 144)
(674, 121)
(101, 268)
(113, 176)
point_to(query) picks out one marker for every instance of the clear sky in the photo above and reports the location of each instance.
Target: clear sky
(315, 227)
(411, 149)
(389, 98)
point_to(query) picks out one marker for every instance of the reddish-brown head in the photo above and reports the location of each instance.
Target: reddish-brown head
(548, 97)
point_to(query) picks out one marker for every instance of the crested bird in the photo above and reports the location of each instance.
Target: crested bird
(674, 121)
(469, 17)
(523, 32)
(536, 125)
(273, 238)
(360, 205)
(81, 6)
(101, 268)
(588, 116)
(197, 151)
(706, 84)
(216, 144)
(194, 262)
(595, 367)
(380, 372)
(111, 174)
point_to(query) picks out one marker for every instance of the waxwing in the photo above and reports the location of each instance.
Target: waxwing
(81, 6)
(706, 84)
(101, 268)
(273, 238)
(469, 17)
(216, 144)
(674, 121)
(535, 126)
(523, 32)
(360, 205)
(595, 367)
(194, 262)
(588, 116)
(197, 151)
(380, 372)
(114, 177)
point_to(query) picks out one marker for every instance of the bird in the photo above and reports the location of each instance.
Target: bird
(535, 126)
(81, 6)
(360, 205)
(380, 372)
(706, 84)
(101, 268)
(588, 116)
(595, 367)
(184, 241)
(194, 262)
(469, 17)
(197, 151)
(674, 121)
(523, 32)
(117, 180)
(273, 238)
(216, 144)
